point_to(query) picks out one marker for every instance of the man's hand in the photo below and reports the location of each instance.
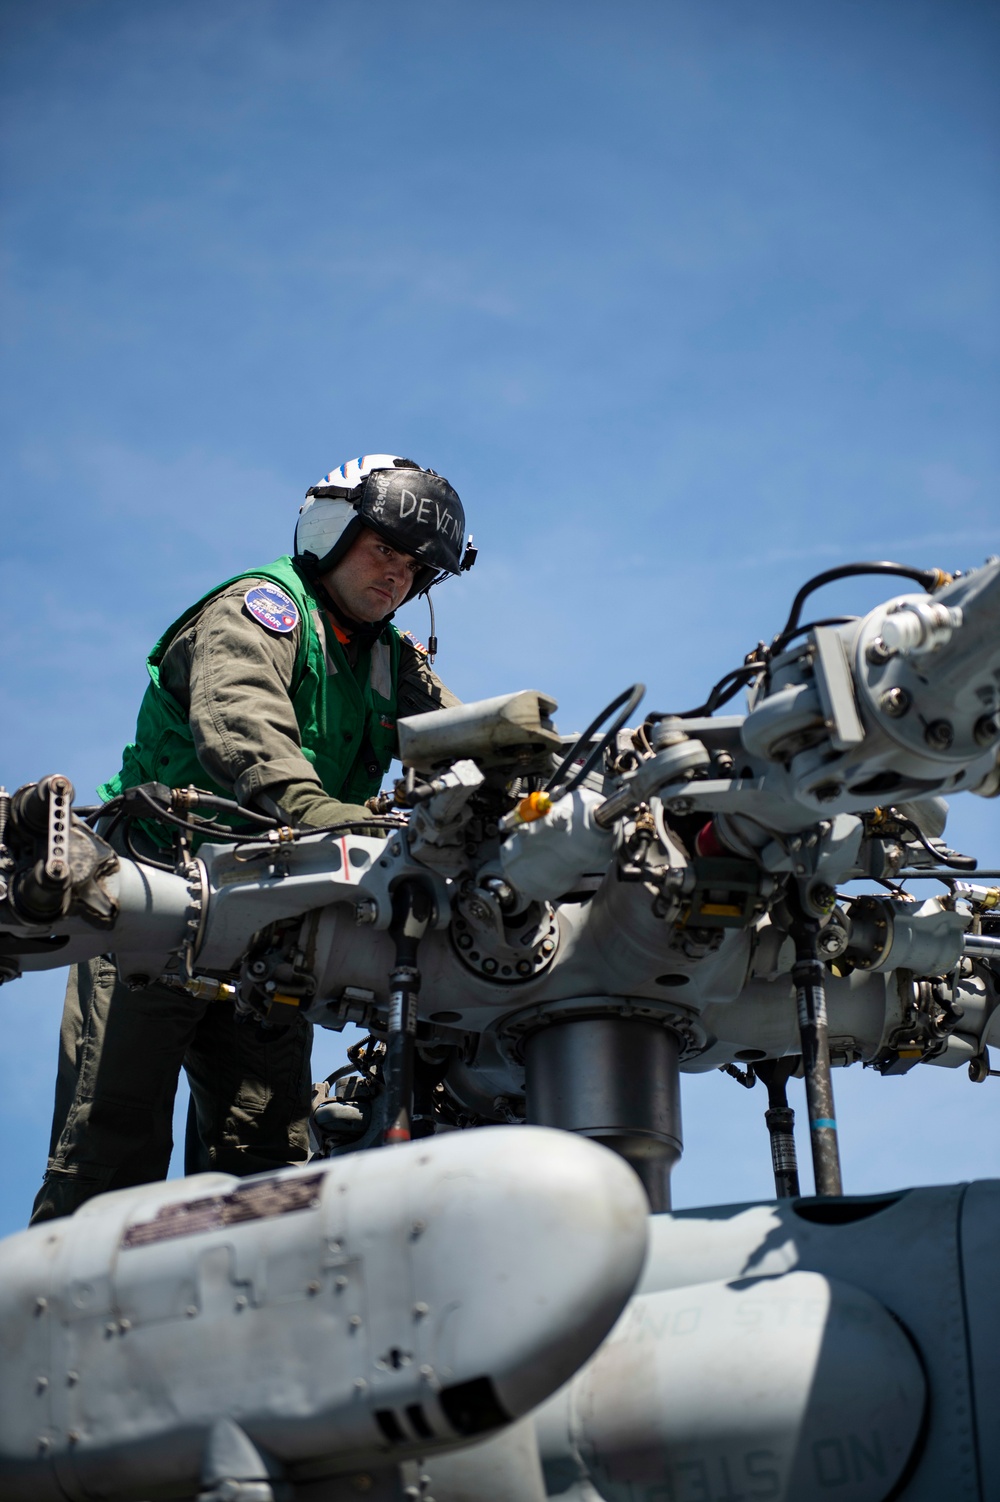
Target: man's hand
(304, 805)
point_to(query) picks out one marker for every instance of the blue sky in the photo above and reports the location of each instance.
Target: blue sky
(689, 300)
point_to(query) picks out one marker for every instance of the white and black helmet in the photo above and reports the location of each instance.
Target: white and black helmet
(414, 509)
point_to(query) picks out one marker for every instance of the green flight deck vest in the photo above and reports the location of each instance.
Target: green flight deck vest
(346, 715)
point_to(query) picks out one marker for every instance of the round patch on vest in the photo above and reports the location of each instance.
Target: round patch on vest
(272, 607)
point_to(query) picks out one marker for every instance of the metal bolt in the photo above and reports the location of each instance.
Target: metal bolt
(72, 1378)
(668, 732)
(986, 730)
(41, 1384)
(312, 1287)
(490, 966)
(547, 946)
(939, 734)
(340, 1282)
(241, 1302)
(420, 1310)
(823, 896)
(877, 652)
(354, 1321)
(894, 702)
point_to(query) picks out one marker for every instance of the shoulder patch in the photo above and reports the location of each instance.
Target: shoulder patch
(409, 636)
(272, 608)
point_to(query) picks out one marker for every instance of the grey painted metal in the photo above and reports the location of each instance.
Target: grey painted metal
(891, 1234)
(981, 946)
(539, 867)
(980, 1238)
(505, 1468)
(785, 1351)
(486, 729)
(616, 1080)
(836, 689)
(337, 1311)
(778, 1388)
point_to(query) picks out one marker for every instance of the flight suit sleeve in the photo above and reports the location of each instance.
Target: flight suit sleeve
(419, 688)
(233, 677)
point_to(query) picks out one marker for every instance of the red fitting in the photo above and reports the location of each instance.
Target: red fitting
(707, 842)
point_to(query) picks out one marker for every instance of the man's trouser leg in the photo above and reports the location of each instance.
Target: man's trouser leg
(251, 1094)
(120, 1054)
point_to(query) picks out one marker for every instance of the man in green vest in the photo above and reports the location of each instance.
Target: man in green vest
(279, 688)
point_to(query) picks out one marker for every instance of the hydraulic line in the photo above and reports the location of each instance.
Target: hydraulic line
(630, 699)
(929, 579)
(810, 994)
(412, 910)
(780, 1119)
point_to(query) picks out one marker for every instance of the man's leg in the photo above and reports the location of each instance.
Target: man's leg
(120, 1054)
(251, 1093)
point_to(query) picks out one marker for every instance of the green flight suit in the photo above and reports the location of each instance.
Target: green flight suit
(262, 711)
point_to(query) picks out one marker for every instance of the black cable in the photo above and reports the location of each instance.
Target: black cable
(730, 685)
(745, 1077)
(928, 578)
(786, 636)
(630, 698)
(720, 694)
(119, 813)
(957, 863)
(357, 824)
(339, 1074)
(112, 809)
(367, 1057)
(145, 860)
(267, 851)
(230, 806)
(206, 829)
(116, 819)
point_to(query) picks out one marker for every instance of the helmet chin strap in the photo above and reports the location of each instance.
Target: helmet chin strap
(365, 633)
